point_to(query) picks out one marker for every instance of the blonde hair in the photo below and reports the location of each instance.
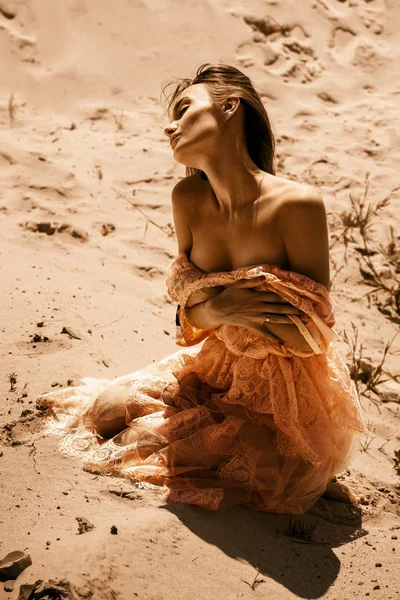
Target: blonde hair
(222, 81)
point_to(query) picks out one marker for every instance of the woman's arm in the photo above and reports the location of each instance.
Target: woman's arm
(203, 295)
(304, 231)
(200, 316)
(210, 315)
(196, 308)
(305, 235)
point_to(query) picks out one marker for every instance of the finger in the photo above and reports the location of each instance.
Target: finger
(262, 331)
(272, 297)
(284, 308)
(281, 319)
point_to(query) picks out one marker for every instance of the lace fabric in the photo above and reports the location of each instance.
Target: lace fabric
(239, 419)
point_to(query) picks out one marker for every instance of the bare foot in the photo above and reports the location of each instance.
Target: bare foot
(341, 493)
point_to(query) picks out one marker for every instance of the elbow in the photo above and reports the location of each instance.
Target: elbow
(192, 317)
(198, 316)
(189, 316)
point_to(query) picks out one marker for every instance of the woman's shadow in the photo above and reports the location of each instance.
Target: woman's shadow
(272, 544)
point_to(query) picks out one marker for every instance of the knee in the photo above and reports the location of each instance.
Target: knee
(108, 415)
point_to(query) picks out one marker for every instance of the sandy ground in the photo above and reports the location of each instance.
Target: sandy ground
(82, 146)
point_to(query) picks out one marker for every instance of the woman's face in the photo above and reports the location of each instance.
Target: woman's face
(195, 126)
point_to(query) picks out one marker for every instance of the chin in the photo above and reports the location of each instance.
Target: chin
(184, 160)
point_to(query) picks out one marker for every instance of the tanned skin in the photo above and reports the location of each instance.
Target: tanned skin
(242, 216)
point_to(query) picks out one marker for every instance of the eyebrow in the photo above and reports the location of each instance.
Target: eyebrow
(178, 104)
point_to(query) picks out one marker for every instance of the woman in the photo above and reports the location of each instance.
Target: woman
(264, 413)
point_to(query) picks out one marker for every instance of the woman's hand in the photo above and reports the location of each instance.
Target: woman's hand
(241, 304)
(203, 295)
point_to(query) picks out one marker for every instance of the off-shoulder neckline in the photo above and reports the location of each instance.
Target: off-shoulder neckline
(190, 262)
(276, 270)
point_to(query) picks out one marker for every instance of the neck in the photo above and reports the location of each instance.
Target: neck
(235, 181)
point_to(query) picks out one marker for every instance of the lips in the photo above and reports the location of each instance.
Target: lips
(173, 138)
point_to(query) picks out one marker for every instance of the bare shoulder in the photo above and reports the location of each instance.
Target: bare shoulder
(188, 188)
(184, 201)
(294, 192)
(301, 192)
(300, 200)
(304, 232)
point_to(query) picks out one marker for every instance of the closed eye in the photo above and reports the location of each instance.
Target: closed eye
(182, 110)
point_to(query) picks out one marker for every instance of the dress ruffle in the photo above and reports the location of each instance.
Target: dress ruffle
(240, 420)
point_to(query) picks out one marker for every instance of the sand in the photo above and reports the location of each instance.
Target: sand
(83, 158)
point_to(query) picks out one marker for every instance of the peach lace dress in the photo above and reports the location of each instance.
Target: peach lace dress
(238, 420)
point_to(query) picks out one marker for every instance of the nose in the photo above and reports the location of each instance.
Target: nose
(170, 129)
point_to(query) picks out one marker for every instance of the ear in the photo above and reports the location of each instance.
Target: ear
(231, 105)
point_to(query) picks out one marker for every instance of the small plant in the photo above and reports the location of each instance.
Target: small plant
(256, 581)
(392, 250)
(119, 119)
(298, 529)
(335, 269)
(364, 446)
(389, 283)
(360, 219)
(360, 214)
(356, 357)
(366, 379)
(12, 378)
(396, 461)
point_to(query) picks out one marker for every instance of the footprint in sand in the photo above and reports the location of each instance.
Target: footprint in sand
(285, 49)
(8, 9)
(52, 228)
(337, 512)
(6, 159)
(21, 44)
(148, 271)
(367, 58)
(348, 46)
(322, 172)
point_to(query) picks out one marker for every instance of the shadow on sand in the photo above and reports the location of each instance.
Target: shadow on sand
(306, 568)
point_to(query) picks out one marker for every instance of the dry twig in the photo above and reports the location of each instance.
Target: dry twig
(389, 284)
(359, 218)
(364, 446)
(256, 581)
(168, 229)
(366, 379)
(11, 109)
(360, 214)
(396, 461)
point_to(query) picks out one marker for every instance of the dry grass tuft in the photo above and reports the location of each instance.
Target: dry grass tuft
(357, 223)
(360, 215)
(335, 270)
(366, 376)
(256, 581)
(396, 461)
(364, 446)
(12, 378)
(298, 529)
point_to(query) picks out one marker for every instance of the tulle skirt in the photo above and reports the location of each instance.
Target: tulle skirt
(216, 426)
